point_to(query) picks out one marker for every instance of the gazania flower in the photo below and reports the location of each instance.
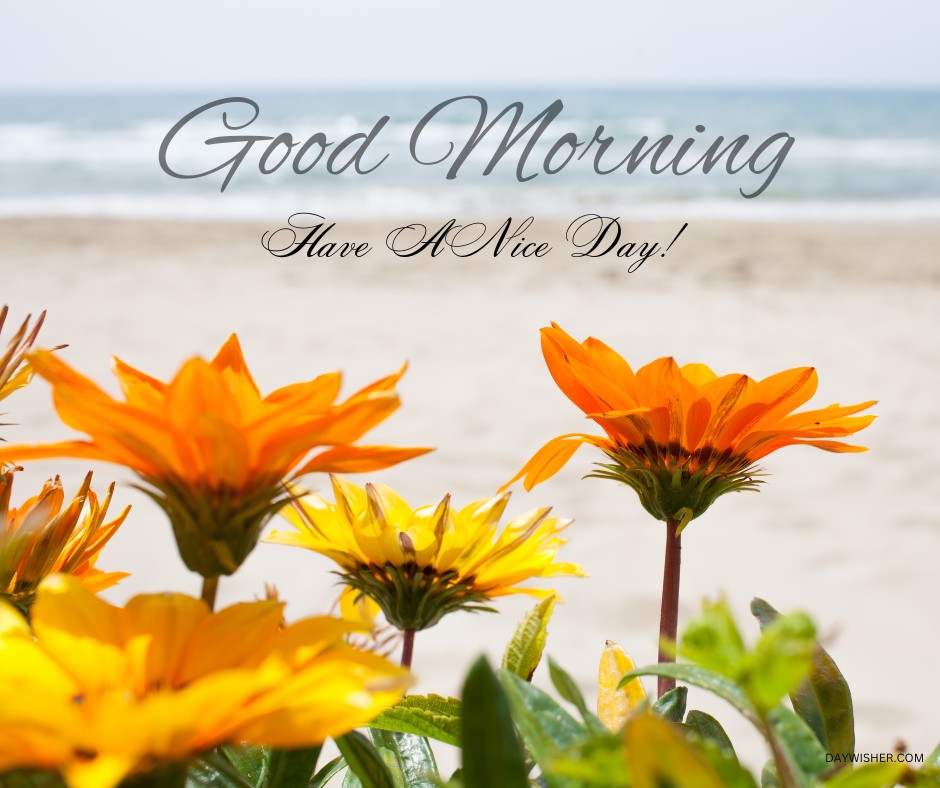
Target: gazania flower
(41, 538)
(14, 372)
(212, 451)
(420, 564)
(104, 692)
(682, 436)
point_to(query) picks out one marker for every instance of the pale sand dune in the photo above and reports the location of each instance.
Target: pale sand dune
(853, 539)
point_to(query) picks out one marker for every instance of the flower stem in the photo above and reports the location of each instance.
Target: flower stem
(669, 612)
(785, 773)
(210, 586)
(407, 647)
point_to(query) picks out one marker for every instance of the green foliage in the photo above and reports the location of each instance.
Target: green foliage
(568, 690)
(409, 757)
(781, 660)
(714, 642)
(290, 768)
(823, 700)
(328, 772)
(698, 676)
(546, 728)
(725, 763)
(709, 729)
(491, 753)
(754, 681)
(433, 716)
(524, 652)
(30, 778)
(671, 706)
(799, 751)
(599, 762)
(254, 766)
(778, 663)
(364, 761)
(933, 760)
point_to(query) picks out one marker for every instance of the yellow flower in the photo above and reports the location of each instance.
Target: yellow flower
(41, 538)
(14, 372)
(682, 436)
(212, 451)
(103, 691)
(420, 564)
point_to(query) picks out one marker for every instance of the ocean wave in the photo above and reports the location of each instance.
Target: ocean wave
(468, 203)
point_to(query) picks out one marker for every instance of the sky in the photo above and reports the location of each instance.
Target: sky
(61, 45)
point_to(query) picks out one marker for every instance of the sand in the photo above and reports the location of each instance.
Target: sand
(853, 539)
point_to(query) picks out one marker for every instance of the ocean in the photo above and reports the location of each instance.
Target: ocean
(857, 155)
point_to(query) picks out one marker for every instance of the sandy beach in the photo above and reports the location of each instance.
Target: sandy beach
(852, 539)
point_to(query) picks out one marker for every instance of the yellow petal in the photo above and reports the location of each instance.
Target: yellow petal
(615, 705)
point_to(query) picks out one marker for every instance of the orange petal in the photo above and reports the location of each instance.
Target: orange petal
(550, 459)
(359, 459)
(230, 357)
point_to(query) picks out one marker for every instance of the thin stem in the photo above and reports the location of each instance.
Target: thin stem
(407, 647)
(784, 768)
(669, 612)
(210, 587)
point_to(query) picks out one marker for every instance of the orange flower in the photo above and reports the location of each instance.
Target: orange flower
(212, 451)
(682, 436)
(40, 538)
(14, 373)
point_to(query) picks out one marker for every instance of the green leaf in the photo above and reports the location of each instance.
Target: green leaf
(698, 676)
(800, 746)
(388, 755)
(328, 772)
(768, 776)
(30, 778)
(413, 757)
(671, 705)
(779, 662)
(871, 775)
(524, 651)
(709, 729)
(291, 768)
(933, 760)
(546, 728)
(350, 780)
(364, 761)
(433, 716)
(569, 691)
(249, 760)
(491, 752)
(823, 700)
(713, 640)
(724, 762)
(927, 777)
(599, 762)
(215, 769)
